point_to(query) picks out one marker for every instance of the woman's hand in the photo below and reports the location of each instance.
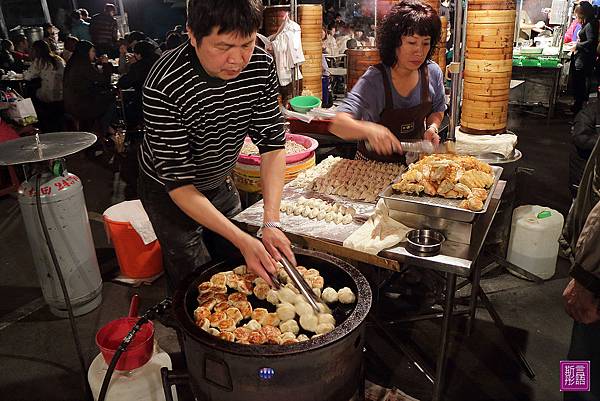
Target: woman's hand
(432, 136)
(382, 141)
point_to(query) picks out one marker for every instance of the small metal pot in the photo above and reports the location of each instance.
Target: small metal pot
(424, 242)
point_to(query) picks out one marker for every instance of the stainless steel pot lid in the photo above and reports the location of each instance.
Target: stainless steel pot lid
(43, 147)
(424, 241)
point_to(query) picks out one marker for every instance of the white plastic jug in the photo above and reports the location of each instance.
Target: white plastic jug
(534, 237)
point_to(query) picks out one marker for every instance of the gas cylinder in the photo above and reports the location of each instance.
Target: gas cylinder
(65, 213)
(141, 384)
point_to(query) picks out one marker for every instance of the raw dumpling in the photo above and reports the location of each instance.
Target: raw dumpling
(286, 294)
(282, 206)
(311, 273)
(302, 200)
(324, 308)
(329, 295)
(303, 308)
(272, 297)
(311, 203)
(290, 209)
(314, 212)
(330, 216)
(321, 215)
(309, 322)
(347, 219)
(302, 337)
(253, 325)
(298, 209)
(286, 336)
(324, 328)
(346, 296)
(286, 311)
(317, 292)
(298, 298)
(306, 211)
(289, 326)
(293, 288)
(316, 282)
(339, 218)
(326, 318)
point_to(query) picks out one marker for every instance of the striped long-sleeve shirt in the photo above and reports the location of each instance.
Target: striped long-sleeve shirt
(196, 124)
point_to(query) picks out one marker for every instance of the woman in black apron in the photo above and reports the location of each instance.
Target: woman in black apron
(401, 99)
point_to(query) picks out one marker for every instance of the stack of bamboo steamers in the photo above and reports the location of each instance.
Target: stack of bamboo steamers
(310, 19)
(488, 66)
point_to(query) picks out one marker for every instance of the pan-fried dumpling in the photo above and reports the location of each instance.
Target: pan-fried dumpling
(286, 294)
(326, 318)
(272, 333)
(213, 332)
(216, 318)
(260, 314)
(236, 297)
(289, 326)
(286, 311)
(242, 334)
(261, 291)
(257, 337)
(329, 295)
(324, 328)
(222, 306)
(204, 287)
(204, 324)
(272, 319)
(272, 297)
(201, 313)
(253, 325)
(235, 314)
(245, 308)
(303, 308)
(346, 296)
(316, 282)
(309, 322)
(241, 269)
(311, 273)
(219, 279)
(226, 324)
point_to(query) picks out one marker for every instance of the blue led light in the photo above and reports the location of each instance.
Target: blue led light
(266, 373)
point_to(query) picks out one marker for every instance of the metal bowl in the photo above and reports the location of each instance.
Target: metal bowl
(424, 242)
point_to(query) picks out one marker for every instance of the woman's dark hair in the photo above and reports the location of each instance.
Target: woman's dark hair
(587, 11)
(6, 45)
(42, 52)
(81, 55)
(18, 39)
(71, 43)
(144, 48)
(48, 29)
(241, 16)
(407, 18)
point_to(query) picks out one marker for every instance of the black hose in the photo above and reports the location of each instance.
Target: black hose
(63, 286)
(145, 318)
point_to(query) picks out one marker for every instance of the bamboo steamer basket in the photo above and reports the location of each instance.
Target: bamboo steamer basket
(359, 61)
(488, 66)
(310, 19)
(273, 17)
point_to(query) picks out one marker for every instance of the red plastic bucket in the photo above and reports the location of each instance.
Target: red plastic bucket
(139, 351)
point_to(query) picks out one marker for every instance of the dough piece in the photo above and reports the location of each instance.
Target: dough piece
(204, 287)
(241, 269)
(236, 297)
(286, 295)
(306, 211)
(346, 296)
(234, 314)
(326, 318)
(245, 307)
(289, 326)
(222, 306)
(260, 314)
(226, 325)
(253, 325)
(201, 313)
(321, 215)
(324, 328)
(261, 291)
(216, 318)
(242, 334)
(204, 324)
(313, 213)
(272, 319)
(347, 219)
(219, 279)
(302, 337)
(286, 311)
(309, 322)
(303, 308)
(329, 295)
(272, 297)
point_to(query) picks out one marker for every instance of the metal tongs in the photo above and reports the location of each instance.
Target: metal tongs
(301, 284)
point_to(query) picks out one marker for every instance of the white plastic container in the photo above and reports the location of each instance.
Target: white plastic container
(141, 384)
(534, 237)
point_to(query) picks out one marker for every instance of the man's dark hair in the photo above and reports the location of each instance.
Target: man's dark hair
(241, 16)
(144, 48)
(136, 36)
(407, 18)
(110, 8)
(587, 11)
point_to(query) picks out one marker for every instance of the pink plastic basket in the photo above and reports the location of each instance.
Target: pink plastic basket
(309, 143)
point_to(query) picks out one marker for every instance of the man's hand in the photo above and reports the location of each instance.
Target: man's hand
(580, 303)
(432, 136)
(257, 258)
(382, 141)
(277, 243)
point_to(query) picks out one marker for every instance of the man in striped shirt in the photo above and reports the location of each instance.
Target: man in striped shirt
(200, 101)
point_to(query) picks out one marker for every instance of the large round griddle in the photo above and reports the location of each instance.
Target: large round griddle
(38, 148)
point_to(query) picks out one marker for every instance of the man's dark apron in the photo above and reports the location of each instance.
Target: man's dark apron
(408, 124)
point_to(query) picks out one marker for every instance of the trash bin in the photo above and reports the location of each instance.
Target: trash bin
(128, 228)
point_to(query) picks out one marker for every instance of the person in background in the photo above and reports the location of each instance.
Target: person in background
(88, 94)
(49, 68)
(329, 42)
(51, 37)
(584, 55)
(145, 56)
(359, 36)
(133, 37)
(21, 48)
(574, 28)
(403, 97)
(85, 15)
(174, 40)
(79, 28)
(70, 44)
(8, 61)
(104, 31)
(125, 57)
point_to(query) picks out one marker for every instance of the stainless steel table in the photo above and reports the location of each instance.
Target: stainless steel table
(455, 260)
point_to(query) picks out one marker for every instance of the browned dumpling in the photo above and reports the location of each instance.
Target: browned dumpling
(204, 287)
(216, 318)
(205, 296)
(221, 307)
(245, 287)
(261, 291)
(227, 336)
(242, 334)
(204, 324)
(249, 277)
(260, 314)
(257, 337)
(237, 297)
(271, 333)
(270, 320)
(219, 279)
(201, 313)
(232, 280)
(210, 304)
(226, 324)
(217, 289)
(245, 307)
(235, 314)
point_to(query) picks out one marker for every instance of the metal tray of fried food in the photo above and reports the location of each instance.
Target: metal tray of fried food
(435, 206)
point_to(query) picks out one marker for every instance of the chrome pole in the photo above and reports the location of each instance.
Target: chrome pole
(455, 69)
